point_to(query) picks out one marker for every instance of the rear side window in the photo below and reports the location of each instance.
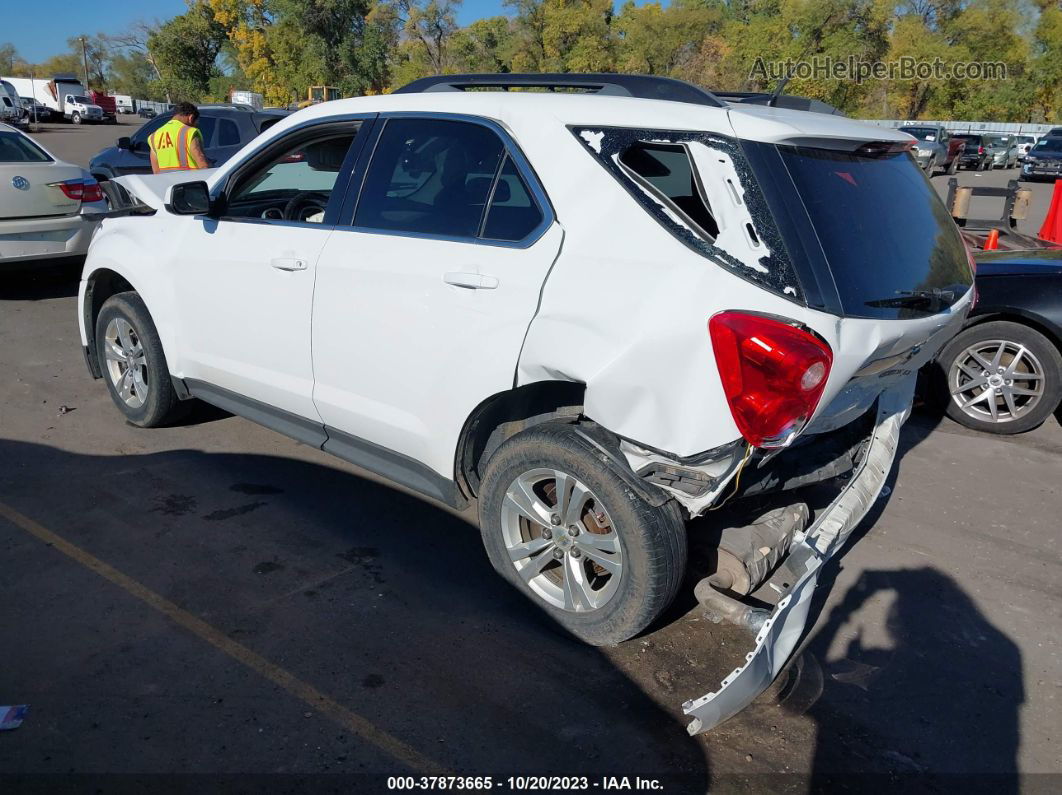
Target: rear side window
(206, 125)
(700, 188)
(513, 213)
(228, 133)
(17, 148)
(448, 178)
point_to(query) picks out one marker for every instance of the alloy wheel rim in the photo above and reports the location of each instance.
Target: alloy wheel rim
(561, 540)
(996, 381)
(123, 352)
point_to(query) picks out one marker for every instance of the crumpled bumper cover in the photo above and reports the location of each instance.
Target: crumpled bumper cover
(781, 632)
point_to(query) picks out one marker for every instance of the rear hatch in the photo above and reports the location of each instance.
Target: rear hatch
(871, 243)
(28, 180)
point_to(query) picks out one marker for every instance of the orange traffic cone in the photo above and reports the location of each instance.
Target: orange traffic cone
(1052, 228)
(992, 243)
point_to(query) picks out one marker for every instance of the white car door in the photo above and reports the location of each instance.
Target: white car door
(244, 281)
(422, 303)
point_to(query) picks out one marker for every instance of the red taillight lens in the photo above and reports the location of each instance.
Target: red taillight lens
(82, 190)
(92, 191)
(773, 374)
(980, 150)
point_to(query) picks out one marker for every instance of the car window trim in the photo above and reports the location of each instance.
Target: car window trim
(271, 147)
(511, 149)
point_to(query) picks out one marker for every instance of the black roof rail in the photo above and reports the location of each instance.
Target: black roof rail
(641, 86)
(787, 101)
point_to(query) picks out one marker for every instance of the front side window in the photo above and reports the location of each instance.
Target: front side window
(294, 184)
(430, 176)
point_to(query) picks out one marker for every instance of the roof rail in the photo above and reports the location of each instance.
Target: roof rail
(641, 86)
(787, 101)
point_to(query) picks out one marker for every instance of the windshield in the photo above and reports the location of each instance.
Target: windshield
(17, 148)
(892, 248)
(921, 133)
(83, 100)
(1048, 145)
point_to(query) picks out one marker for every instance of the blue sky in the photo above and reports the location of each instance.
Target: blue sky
(40, 28)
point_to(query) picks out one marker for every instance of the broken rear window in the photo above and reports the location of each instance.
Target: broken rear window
(700, 188)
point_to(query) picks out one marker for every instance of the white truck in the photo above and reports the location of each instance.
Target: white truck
(256, 101)
(124, 103)
(64, 94)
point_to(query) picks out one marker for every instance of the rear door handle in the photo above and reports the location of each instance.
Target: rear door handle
(288, 263)
(471, 281)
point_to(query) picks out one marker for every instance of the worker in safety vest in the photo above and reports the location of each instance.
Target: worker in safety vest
(178, 144)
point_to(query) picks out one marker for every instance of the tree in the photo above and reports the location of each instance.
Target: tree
(186, 50)
(8, 58)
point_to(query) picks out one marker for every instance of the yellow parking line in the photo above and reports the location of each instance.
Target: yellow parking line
(356, 724)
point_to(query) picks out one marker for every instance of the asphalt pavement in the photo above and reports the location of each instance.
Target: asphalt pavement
(216, 600)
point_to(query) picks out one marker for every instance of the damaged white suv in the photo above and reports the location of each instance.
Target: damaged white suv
(598, 312)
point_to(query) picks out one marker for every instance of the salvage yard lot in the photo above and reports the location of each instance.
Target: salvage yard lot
(266, 608)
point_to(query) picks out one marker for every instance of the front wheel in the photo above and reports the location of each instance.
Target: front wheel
(953, 167)
(1001, 377)
(133, 364)
(75, 118)
(576, 540)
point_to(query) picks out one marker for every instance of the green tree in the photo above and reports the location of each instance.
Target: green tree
(186, 49)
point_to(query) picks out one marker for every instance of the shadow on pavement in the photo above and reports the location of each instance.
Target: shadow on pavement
(41, 279)
(383, 602)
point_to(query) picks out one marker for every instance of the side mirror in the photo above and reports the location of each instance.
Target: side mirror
(124, 142)
(188, 198)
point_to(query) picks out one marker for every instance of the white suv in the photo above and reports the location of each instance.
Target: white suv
(597, 312)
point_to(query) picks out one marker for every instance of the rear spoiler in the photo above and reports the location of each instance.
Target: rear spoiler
(787, 101)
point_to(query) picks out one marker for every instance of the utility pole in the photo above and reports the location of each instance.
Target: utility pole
(84, 57)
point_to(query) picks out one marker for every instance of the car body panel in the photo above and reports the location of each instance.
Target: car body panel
(1022, 284)
(37, 220)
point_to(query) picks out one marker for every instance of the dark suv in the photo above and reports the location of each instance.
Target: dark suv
(975, 154)
(225, 128)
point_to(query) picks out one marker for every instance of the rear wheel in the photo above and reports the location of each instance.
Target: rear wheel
(133, 364)
(1001, 377)
(572, 536)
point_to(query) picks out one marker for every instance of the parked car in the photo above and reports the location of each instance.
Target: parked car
(1044, 160)
(43, 202)
(1055, 131)
(975, 151)
(1003, 372)
(147, 113)
(36, 111)
(1024, 144)
(225, 129)
(1003, 151)
(11, 110)
(384, 278)
(937, 148)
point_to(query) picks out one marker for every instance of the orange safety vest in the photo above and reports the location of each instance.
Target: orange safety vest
(170, 144)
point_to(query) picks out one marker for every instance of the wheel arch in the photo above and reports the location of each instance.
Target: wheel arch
(1033, 321)
(100, 284)
(506, 414)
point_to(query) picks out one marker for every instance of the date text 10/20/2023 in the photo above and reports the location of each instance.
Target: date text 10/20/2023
(524, 783)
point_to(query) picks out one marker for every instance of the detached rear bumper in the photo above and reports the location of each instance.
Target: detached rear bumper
(45, 238)
(780, 633)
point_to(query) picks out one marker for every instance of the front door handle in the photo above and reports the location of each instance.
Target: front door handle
(288, 263)
(471, 281)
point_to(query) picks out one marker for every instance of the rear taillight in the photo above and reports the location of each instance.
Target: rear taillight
(92, 191)
(82, 190)
(980, 150)
(773, 374)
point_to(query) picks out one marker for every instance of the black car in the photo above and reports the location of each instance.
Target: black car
(225, 128)
(975, 153)
(1044, 160)
(1003, 372)
(147, 113)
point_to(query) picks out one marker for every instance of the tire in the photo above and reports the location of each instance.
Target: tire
(646, 545)
(964, 384)
(953, 167)
(981, 164)
(160, 405)
(75, 118)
